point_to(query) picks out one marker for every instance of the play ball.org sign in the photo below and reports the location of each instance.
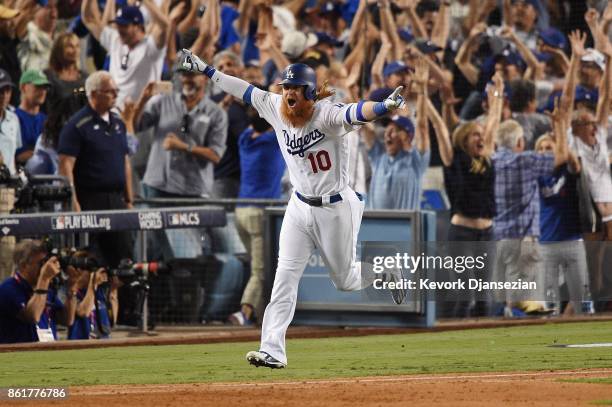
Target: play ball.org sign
(75, 222)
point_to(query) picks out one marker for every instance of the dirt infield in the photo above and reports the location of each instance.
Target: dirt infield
(489, 389)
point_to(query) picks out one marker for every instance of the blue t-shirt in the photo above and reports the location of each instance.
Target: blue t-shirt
(228, 35)
(250, 51)
(262, 165)
(15, 292)
(396, 181)
(96, 324)
(31, 128)
(559, 218)
(100, 148)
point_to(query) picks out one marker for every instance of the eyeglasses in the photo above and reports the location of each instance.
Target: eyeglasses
(111, 91)
(124, 60)
(585, 123)
(185, 124)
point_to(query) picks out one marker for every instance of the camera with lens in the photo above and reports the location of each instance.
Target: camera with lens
(34, 193)
(129, 271)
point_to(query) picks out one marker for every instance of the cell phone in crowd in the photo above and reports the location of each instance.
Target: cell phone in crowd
(163, 87)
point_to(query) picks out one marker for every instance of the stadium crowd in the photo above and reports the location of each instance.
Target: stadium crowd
(508, 113)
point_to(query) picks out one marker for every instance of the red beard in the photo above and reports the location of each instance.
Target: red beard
(299, 115)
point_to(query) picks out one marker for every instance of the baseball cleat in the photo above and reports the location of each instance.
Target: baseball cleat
(263, 359)
(192, 63)
(397, 294)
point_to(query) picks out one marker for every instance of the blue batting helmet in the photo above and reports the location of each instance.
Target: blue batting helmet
(301, 75)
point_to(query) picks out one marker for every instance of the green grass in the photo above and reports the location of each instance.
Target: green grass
(596, 380)
(501, 349)
(602, 402)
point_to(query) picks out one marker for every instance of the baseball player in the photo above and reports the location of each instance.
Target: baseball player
(323, 211)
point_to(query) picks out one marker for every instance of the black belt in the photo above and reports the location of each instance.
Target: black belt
(318, 201)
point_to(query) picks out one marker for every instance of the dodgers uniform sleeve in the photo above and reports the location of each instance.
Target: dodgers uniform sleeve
(347, 116)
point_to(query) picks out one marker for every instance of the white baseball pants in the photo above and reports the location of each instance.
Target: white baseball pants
(331, 228)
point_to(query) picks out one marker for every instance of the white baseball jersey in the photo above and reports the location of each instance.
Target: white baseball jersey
(317, 155)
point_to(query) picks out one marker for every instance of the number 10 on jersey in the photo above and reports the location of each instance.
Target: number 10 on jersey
(319, 161)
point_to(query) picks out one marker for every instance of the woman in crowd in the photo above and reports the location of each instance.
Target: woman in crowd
(67, 80)
(469, 180)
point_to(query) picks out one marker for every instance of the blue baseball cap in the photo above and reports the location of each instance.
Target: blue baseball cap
(543, 56)
(325, 38)
(553, 38)
(395, 67)
(427, 47)
(406, 34)
(129, 15)
(380, 94)
(534, 3)
(507, 55)
(403, 123)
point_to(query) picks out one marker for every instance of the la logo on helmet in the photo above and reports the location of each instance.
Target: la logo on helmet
(289, 74)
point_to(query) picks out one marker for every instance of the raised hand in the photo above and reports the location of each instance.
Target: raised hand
(395, 100)
(497, 90)
(421, 75)
(591, 16)
(577, 40)
(177, 12)
(478, 29)
(607, 14)
(50, 269)
(192, 63)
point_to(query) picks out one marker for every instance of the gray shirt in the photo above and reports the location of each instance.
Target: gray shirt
(181, 172)
(534, 125)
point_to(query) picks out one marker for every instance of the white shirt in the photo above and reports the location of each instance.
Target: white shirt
(317, 155)
(595, 165)
(144, 63)
(10, 138)
(34, 49)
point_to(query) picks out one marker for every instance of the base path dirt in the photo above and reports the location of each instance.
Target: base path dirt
(457, 390)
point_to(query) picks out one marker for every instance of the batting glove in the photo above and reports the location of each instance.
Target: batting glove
(192, 63)
(395, 100)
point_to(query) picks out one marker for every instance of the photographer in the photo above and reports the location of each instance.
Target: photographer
(29, 308)
(92, 319)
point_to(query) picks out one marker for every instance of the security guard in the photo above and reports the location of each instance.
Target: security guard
(93, 155)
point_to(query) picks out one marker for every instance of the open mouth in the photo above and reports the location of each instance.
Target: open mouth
(291, 102)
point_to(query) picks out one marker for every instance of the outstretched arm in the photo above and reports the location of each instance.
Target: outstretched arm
(603, 106)
(421, 133)
(236, 87)
(577, 40)
(91, 18)
(161, 24)
(495, 96)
